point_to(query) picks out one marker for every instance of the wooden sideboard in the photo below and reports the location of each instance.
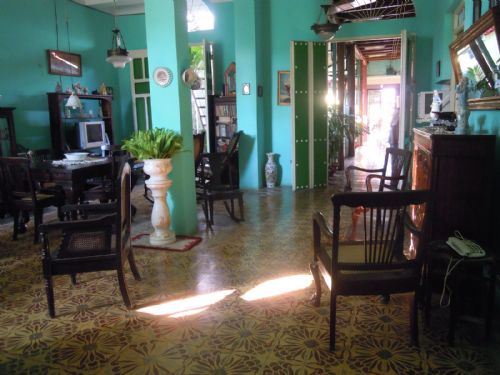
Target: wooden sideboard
(460, 170)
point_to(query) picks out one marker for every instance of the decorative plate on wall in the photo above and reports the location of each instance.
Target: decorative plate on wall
(163, 76)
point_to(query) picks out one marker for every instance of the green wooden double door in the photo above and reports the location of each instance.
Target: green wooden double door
(309, 87)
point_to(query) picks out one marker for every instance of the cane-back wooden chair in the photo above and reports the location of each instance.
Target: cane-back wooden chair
(377, 265)
(99, 244)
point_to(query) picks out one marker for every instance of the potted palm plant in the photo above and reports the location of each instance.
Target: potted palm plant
(339, 128)
(156, 147)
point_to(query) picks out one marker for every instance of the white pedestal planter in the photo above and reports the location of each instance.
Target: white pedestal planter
(158, 182)
(271, 170)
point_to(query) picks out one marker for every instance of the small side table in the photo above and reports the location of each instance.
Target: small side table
(476, 274)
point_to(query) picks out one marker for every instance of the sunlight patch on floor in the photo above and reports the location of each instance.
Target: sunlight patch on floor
(277, 287)
(187, 306)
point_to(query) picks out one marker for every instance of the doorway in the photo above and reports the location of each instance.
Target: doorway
(381, 67)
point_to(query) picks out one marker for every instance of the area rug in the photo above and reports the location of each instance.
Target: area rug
(183, 243)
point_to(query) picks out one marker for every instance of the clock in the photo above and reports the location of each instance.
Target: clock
(163, 76)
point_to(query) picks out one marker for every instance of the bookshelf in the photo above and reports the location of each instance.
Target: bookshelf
(223, 122)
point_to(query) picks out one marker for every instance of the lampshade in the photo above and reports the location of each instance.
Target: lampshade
(73, 101)
(117, 55)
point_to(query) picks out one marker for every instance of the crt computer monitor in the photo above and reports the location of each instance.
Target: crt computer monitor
(92, 134)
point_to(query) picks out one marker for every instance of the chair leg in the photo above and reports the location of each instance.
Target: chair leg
(333, 320)
(15, 215)
(414, 318)
(133, 266)
(242, 210)
(386, 298)
(73, 278)
(211, 211)
(490, 308)
(38, 220)
(204, 206)
(453, 320)
(49, 290)
(316, 297)
(123, 287)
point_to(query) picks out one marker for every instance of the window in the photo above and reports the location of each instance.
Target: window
(199, 16)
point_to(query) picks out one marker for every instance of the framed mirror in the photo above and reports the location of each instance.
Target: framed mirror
(476, 55)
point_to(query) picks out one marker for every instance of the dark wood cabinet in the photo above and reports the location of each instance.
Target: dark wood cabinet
(459, 169)
(62, 125)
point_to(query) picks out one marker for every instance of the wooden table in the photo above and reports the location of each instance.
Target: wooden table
(71, 177)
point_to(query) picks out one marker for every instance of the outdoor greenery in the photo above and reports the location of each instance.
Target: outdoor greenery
(339, 128)
(154, 143)
(479, 83)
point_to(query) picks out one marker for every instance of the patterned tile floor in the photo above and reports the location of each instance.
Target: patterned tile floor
(94, 333)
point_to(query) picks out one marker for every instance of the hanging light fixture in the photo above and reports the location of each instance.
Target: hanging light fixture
(326, 31)
(73, 100)
(118, 55)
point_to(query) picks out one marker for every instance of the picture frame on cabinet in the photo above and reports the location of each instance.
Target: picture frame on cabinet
(64, 63)
(283, 87)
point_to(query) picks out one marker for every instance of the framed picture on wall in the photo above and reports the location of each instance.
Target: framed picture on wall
(283, 87)
(64, 63)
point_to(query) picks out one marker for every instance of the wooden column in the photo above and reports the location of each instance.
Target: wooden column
(364, 95)
(351, 92)
(341, 91)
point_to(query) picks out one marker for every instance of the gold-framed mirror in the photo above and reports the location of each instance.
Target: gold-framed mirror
(476, 55)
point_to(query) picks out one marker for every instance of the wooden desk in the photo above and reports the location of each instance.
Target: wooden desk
(71, 177)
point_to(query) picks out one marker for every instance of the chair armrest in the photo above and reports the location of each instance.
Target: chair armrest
(410, 225)
(370, 177)
(320, 221)
(78, 224)
(351, 168)
(90, 208)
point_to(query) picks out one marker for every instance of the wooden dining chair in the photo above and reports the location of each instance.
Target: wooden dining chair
(103, 189)
(216, 181)
(392, 176)
(376, 265)
(99, 244)
(22, 194)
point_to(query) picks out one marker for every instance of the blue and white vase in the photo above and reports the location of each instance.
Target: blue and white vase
(271, 170)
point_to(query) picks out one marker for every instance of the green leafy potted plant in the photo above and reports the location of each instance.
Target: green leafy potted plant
(156, 147)
(339, 128)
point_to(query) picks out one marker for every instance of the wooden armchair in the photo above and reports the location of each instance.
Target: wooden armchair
(377, 264)
(216, 180)
(393, 175)
(22, 195)
(92, 245)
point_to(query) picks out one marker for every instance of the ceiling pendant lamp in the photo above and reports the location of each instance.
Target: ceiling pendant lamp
(326, 31)
(118, 55)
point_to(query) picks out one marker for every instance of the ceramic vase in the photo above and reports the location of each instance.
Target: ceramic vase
(158, 182)
(271, 170)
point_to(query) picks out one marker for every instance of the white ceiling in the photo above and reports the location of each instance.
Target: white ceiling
(124, 7)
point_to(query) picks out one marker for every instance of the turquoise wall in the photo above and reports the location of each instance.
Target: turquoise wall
(287, 23)
(379, 68)
(293, 23)
(134, 31)
(27, 30)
